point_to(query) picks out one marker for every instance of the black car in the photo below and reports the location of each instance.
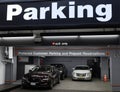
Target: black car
(41, 76)
(62, 69)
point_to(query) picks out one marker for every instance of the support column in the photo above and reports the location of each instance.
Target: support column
(104, 67)
(115, 63)
(2, 66)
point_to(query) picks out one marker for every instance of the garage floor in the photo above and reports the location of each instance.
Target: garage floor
(94, 85)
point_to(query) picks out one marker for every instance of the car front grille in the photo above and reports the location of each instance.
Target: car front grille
(37, 78)
(34, 79)
(79, 74)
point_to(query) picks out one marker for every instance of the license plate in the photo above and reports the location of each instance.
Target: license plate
(33, 84)
(80, 76)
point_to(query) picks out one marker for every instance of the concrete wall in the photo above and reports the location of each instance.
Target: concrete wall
(11, 69)
(14, 68)
(9, 72)
(2, 66)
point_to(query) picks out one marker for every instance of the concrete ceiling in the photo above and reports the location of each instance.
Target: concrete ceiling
(37, 33)
(60, 30)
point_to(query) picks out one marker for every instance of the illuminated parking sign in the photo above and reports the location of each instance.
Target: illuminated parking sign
(60, 53)
(56, 12)
(60, 14)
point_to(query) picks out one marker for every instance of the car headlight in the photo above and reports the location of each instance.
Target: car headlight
(73, 73)
(88, 74)
(61, 71)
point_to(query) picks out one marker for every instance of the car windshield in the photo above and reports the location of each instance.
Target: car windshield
(81, 68)
(42, 69)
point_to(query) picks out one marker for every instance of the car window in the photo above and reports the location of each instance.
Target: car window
(81, 68)
(42, 69)
(58, 65)
(35, 68)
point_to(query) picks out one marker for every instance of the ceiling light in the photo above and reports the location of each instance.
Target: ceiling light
(59, 37)
(17, 38)
(99, 36)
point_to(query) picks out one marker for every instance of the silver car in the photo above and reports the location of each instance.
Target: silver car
(82, 72)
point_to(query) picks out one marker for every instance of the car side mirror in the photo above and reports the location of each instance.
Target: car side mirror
(30, 71)
(73, 68)
(90, 69)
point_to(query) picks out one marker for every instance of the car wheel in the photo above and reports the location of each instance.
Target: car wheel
(51, 85)
(66, 76)
(90, 79)
(23, 87)
(58, 82)
(63, 77)
(73, 79)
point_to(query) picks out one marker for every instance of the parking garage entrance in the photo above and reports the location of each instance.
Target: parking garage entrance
(71, 62)
(96, 59)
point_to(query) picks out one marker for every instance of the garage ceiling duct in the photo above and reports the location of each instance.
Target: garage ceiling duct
(38, 38)
(15, 34)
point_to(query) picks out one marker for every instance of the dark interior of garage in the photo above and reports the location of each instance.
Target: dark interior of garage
(69, 62)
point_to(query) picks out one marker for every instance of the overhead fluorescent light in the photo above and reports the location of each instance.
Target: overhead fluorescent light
(17, 38)
(59, 37)
(99, 36)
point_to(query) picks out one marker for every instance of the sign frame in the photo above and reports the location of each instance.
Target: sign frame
(104, 14)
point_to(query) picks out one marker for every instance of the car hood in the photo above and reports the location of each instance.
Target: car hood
(81, 71)
(60, 69)
(40, 73)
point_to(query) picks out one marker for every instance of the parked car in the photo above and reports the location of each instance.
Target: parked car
(62, 69)
(41, 76)
(82, 72)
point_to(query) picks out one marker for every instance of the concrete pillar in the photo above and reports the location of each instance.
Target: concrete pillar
(115, 59)
(15, 68)
(104, 67)
(2, 66)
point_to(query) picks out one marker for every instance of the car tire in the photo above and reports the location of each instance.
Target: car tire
(90, 79)
(51, 85)
(66, 76)
(63, 77)
(58, 82)
(73, 79)
(23, 87)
